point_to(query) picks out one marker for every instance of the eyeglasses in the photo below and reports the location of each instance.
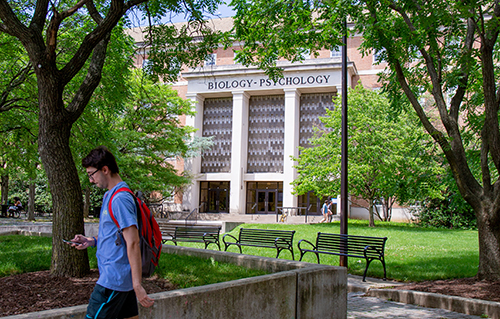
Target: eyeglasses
(92, 174)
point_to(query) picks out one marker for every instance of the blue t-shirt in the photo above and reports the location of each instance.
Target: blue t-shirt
(325, 208)
(112, 259)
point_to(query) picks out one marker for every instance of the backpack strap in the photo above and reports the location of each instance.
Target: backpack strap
(123, 189)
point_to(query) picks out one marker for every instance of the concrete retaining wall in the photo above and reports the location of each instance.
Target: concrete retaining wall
(294, 290)
(91, 229)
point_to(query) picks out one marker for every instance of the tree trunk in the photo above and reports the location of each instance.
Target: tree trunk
(31, 201)
(86, 205)
(489, 244)
(53, 145)
(5, 189)
(371, 219)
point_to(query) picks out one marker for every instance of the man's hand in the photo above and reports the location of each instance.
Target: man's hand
(143, 297)
(85, 242)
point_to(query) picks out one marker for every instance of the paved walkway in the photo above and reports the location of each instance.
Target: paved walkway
(359, 307)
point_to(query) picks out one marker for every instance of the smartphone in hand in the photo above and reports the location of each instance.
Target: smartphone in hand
(71, 242)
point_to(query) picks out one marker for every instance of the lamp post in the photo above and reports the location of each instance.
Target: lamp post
(343, 165)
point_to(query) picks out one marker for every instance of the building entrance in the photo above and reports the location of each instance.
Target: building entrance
(266, 201)
(264, 197)
(214, 197)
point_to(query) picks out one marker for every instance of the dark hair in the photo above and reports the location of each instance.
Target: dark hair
(100, 157)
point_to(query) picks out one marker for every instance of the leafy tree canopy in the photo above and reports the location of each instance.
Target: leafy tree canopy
(390, 157)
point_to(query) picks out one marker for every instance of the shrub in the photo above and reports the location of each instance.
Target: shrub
(452, 211)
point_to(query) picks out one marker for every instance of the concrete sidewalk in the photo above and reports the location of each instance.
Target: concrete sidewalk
(375, 299)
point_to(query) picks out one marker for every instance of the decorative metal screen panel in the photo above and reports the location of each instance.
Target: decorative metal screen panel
(266, 133)
(312, 106)
(217, 122)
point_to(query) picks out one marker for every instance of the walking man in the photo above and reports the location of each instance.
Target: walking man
(119, 286)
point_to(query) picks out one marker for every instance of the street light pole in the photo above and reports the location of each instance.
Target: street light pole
(343, 166)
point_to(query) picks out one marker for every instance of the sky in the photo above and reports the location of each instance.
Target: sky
(224, 11)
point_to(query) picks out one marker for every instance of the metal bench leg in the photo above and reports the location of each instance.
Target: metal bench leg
(227, 246)
(383, 264)
(368, 261)
(301, 255)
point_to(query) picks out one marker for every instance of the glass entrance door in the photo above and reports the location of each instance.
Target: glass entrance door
(264, 197)
(214, 197)
(217, 201)
(266, 201)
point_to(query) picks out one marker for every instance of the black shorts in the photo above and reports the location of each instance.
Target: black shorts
(110, 304)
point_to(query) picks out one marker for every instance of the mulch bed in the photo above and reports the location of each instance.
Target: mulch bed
(40, 290)
(463, 287)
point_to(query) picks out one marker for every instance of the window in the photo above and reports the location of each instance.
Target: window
(305, 53)
(336, 52)
(379, 56)
(147, 66)
(210, 59)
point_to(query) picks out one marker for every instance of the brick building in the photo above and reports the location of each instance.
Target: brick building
(257, 124)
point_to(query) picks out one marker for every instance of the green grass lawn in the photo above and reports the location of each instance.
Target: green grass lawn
(21, 254)
(412, 254)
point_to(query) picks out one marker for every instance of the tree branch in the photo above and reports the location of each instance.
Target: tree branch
(12, 104)
(484, 167)
(94, 74)
(11, 24)
(490, 132)
(96, 16)
(18, 79)
(55, 22)
(435, 75)
(457, 99)
(18, 128)
(132, 3)
(39, 17)
(91, 41)
(454, 154)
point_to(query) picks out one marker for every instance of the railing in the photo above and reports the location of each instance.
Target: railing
(193, 214)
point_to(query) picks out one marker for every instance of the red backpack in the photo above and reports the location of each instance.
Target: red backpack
(149, 233)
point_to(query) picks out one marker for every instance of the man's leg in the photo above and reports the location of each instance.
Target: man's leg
(107, 303)
(129, 309)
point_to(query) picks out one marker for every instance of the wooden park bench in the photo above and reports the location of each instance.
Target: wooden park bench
(369, 248)
(191, 233)
(266, 238)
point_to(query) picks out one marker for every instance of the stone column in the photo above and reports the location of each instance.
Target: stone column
(239, 149)
(192, 195)
(292, 124)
